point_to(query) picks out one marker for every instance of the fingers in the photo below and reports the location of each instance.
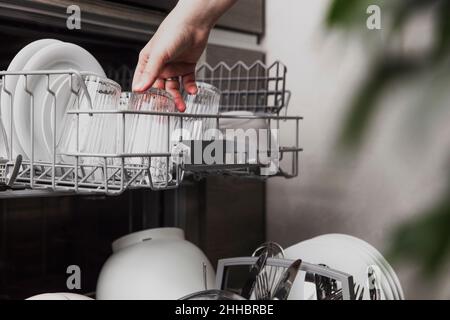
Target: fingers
(173, 87)
(189, 84)
(160, 84)
(142, 62)
(176, 69)
(147, 71)
(152, 70)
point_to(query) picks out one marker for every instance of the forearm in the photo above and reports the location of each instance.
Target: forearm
(202, 13)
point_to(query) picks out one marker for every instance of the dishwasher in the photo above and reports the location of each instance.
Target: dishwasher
(67, 210)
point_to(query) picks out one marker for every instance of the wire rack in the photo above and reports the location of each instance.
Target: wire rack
(257, 88)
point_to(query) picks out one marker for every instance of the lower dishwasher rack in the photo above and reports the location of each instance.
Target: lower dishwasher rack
(113, 173)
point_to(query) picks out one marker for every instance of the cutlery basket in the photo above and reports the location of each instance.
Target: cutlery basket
(308, 271)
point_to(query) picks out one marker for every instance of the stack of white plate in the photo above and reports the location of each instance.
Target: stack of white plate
(45, 54)
(347, 254)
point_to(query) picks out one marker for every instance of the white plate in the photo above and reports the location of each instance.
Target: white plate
(333, 254)
(58, 56)
(379, 257)
(361, 245)
(384, 265)
(17, 64)
(361, 277)
(354, 247)
(64, 98)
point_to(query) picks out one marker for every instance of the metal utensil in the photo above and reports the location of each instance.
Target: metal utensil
(273, 273)
(274, 249)
(254, 272)
(205, 276)
(9, 171)
(262, 290)
(373, 283)
(325, 287)
(337, 295)
(285, 284)
(359, 295)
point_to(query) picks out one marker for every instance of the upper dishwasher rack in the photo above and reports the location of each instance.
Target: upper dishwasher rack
(258, 88)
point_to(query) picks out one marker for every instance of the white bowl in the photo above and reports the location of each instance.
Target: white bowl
(59, 296)
(155, 264)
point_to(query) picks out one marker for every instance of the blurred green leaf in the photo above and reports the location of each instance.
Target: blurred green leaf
(443, 31)
(340, 11)
(365, 103)
(404, 9)
(425, 240)
(347, 12)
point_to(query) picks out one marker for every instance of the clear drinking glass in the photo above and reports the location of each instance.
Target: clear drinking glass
(96, 133)
(206, 101)
(127, 125)
(151, 133)
(103, 134)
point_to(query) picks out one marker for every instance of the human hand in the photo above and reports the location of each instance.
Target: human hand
(170, 56)
(172, 53)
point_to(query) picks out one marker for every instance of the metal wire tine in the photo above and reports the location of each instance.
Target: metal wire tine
(268, 291)
(338, 294)
(83, 88)
(257, 290)
(27, 90)
(8, 144)
(263, 285)
(205, 276)
(335, 295)
(52, 93)
(357, 289)
(361, 296)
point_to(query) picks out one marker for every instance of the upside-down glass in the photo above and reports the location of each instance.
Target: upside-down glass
(151, 133)
(96, 133)
(206, 101)
(125, 127)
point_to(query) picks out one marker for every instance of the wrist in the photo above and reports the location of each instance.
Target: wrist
(201, 14)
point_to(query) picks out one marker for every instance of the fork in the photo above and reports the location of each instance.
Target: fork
(337, 295)
(262, 290)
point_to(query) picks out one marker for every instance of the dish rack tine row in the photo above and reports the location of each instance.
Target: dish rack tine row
(256, 88)
(113, 173)
(344, 279)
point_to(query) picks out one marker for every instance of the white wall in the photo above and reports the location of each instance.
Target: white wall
(398, 171)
